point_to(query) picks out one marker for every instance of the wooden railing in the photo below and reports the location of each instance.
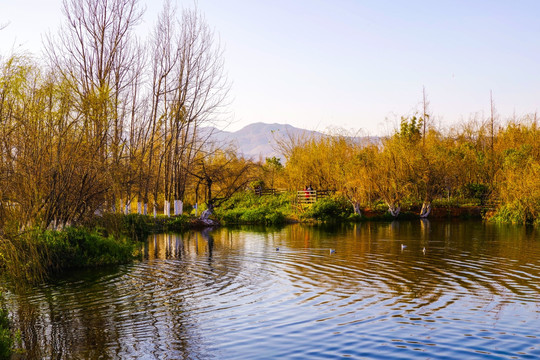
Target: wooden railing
(302, 196)
(311, 196)
(262, 192)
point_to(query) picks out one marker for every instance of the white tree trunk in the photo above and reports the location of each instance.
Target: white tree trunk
(128, 207)
(206, 214)
(394, 210)
(426, 210)
(178, 207)
(357, 208)
(155, 210)
(139, 207)
(145, 209)
(167, 208)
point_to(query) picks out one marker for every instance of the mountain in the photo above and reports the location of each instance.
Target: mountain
(258, 140)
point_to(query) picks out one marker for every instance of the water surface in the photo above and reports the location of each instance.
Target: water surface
(401, 290)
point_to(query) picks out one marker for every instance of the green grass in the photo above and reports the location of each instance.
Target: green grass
(248, 208)
(329, 210)
(34, 255)
(6, 340)
(515, 213)
(137, 227)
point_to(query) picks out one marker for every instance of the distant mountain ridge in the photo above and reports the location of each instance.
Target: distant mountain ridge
(257, 140)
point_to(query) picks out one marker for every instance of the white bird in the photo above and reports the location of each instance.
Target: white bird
(424, 250)
(403, 247)
(332, 251)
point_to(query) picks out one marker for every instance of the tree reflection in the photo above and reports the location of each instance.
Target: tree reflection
(154, 308)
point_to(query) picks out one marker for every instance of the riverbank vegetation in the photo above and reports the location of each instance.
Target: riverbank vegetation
(107, 123)
(6, 340)
(481, 163)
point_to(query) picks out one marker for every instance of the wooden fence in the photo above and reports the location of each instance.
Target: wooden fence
(311, 196)
(302, 196)
(262, 192)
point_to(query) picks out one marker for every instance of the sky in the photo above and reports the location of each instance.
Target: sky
(358, 65)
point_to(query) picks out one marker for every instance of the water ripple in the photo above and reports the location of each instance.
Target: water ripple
(230, 294)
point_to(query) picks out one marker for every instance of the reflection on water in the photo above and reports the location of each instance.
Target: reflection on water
(390, 290)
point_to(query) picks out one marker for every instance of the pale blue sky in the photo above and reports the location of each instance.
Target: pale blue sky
(353, 64)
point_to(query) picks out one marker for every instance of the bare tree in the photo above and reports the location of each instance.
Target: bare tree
(425, 115)
(96, 50)
(189, 91)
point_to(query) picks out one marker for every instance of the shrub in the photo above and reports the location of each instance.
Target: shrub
(329, 209)
(6, 340)
(514, 213)
(478, 193)
(134, 226)
(248, 208)
(177, 223)
(35, 254)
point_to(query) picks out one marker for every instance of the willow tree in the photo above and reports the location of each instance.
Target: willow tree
(97, 52)
(517, 184)
(390, 167)
(431, 166)
(49, 175)
(220, 174)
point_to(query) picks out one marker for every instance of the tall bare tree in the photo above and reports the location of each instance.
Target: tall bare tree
(189, 91)
(97, 51)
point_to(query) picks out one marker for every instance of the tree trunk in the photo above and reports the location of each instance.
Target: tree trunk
(394, 209)
(178, 207)
(206, 214)
(166, 208)
(356, 206)
(209, 211)
(426, 209)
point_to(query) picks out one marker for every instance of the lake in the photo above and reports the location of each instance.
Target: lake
(400, 290)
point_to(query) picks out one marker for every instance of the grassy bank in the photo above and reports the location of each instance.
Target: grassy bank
(33, 255)
(248, 208)
(6, 340)
(517, 213)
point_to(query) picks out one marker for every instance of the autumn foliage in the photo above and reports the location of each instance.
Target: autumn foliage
(470, 164)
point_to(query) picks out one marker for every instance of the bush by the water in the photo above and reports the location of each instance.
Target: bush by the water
(248, 208)
(136, 226)
(80, 247)
(329, 209)
(517, 213)
(6, 341)
(35, 254)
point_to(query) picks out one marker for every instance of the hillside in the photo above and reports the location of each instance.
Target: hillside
(257, 140)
